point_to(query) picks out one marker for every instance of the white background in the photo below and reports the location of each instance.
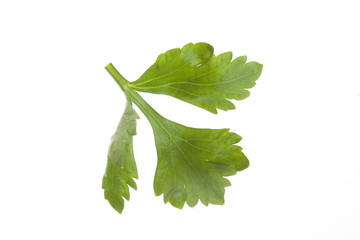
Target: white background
(59, 108)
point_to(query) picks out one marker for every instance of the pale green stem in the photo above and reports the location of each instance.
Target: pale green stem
(148, 111)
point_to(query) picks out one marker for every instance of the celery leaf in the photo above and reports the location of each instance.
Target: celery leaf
(121, 167)
(195, 75)
(192, 163)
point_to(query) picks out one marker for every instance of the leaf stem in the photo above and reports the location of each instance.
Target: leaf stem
(148, 111)
(119, 79)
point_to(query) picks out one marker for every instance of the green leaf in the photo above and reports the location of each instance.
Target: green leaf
(121, 166)
(195, 75)
(192, 162)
